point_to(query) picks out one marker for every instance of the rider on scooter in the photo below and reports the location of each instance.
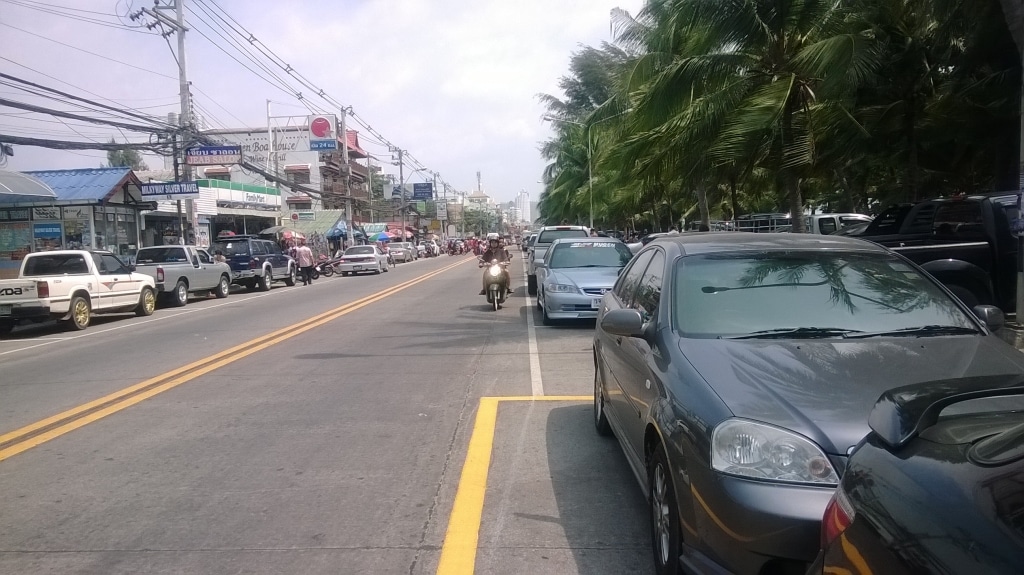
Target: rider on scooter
(495, 251)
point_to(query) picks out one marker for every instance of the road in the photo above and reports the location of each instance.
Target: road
(376, 424)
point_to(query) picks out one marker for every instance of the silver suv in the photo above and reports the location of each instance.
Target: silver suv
(540, 247)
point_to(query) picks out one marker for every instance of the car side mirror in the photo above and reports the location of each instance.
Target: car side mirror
(131, 268)
(991, 315)
(624, 322)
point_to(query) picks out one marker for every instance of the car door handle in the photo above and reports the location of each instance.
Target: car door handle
(618, 339)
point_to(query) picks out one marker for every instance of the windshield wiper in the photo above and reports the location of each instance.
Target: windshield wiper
(923, 330)
(794, 332)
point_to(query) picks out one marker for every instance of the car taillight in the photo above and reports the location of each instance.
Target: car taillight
(839, 514)
(160, 274)
(254, 264)
(42, 290)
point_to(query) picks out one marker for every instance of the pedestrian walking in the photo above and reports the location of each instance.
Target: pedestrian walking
(304, 257)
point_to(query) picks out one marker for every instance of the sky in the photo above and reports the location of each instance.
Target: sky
(454, 83)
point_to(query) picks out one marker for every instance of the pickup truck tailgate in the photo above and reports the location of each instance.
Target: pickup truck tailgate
(24, 298)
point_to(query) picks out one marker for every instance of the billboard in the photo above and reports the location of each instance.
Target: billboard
(442, 211)
(323, 132)
(423, 191)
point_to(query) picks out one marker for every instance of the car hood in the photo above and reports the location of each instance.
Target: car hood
(826, 389)
(586, 277)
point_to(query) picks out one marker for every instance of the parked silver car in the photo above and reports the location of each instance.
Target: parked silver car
(576, 273)
(403, 252)
(737, 372)
(363, 259)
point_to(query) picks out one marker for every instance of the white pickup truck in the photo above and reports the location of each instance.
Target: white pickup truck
(71, 286)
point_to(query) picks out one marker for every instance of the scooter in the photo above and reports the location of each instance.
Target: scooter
(497, 287)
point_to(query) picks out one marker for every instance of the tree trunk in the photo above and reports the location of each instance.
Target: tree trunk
(847, 203)
(702, 205)
(732, 195)
(790, 182)
(910, 174)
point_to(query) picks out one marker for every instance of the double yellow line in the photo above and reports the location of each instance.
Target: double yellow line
(40, 432)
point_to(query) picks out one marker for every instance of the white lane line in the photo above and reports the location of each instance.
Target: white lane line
(536, 381)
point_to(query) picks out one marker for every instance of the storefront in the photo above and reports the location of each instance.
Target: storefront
(240, 208)
(93, 208)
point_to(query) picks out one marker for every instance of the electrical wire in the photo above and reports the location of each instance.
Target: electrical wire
(55, 10)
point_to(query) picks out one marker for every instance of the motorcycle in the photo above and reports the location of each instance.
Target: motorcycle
(497, 287)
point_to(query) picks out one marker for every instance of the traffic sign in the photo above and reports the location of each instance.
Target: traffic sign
(295, 216)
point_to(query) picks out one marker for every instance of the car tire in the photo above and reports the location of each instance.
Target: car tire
(546, 319)
(80, 313)
(965, 295)
(179, 297)
(223, 288)
(604, 429)
(290, 280)
(6, 327)
(531, 285)
(664, 514)
(264, 281)
(147, 302)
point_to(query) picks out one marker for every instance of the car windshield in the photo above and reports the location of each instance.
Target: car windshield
(359, 251)
(231, 248)
(738, 294)
(589, 254)
(548, 236)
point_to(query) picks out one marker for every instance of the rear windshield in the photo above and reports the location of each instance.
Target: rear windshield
(359, 250)
(240, 248)
(589, 255)
(548, 236)
(56, 265)
(162, 255)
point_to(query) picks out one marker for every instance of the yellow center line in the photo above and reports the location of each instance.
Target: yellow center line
(44, 430)
(458, 553)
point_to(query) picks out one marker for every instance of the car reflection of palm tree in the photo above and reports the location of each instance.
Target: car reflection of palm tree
(891, 290)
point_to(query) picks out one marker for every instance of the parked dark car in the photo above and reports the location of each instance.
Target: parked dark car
(926, 493)
(964, 241)
(737, 371)
(256, 263)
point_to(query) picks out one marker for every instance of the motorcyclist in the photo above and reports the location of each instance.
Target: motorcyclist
(495, 251)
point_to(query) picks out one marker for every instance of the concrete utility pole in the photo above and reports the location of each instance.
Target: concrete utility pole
(346, 177)
(401, 187)
(433, 193)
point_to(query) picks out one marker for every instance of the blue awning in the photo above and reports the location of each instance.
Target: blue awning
(340, 230)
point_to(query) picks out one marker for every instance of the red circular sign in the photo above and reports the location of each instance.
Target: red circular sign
(295, 217)
(321, 127)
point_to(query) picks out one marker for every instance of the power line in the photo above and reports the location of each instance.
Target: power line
(67, 145)
(58, 113)
(56, 11)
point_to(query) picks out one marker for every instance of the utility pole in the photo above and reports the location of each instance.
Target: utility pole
(433, 192)
(346, 177)
(401, 187)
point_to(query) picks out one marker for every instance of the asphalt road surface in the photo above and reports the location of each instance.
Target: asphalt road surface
(376, 424)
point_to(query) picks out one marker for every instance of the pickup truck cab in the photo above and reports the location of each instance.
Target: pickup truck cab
(181, 270)
(71, 286)
(255, 262)
(965, 242)
(545, 237)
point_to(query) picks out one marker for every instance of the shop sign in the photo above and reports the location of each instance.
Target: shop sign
(76, 213)
(442, 211)
(306, 216)
(48, 213)
(323, 132)
(171, 191)
(15, 215)
(213, 155)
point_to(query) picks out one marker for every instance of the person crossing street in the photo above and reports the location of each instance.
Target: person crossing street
(304, 257)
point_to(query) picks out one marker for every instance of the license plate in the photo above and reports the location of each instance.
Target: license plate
(5, 310)
(357, 267)
(595, 303)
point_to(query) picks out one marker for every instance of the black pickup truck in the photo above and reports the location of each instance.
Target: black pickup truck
(965, 242)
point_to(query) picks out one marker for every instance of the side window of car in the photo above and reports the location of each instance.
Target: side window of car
(630, 278)
(272, 248)
(110, 265)
(204, 256)
(827, 225)
(648, 293)
(959, 221)
(257, 248)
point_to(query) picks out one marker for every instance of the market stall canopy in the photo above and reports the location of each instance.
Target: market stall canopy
(18, 184)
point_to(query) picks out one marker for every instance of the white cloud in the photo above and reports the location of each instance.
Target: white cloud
(455, 83)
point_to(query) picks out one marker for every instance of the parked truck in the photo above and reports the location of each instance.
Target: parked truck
(71, 286)
(182, 270)
(965, 242)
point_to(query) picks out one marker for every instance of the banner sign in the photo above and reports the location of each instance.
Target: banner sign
(48, 213)
(77, 213)
(442, 211)
(171, 191)
(423, 191)
(323, 132)
(213, 155)
(15, 215)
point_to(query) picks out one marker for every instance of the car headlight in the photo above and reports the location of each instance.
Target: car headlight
(495, 271)
(560, 288)
(751, 449)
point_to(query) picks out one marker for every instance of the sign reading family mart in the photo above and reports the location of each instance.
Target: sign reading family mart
(171, 191)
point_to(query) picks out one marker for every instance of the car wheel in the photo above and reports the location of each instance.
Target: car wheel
(965, 295)
(664, 515)
(540, 295)
(545, 318)
(223, 288)
(263, 283)
(6, 327)
(604, 429)
(80, 313)
(531, 285)
(179, 296)
(147, 302)
(290, 280)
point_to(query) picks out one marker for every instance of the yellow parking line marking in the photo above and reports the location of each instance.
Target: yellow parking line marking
(458, 553)
(34, 434)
